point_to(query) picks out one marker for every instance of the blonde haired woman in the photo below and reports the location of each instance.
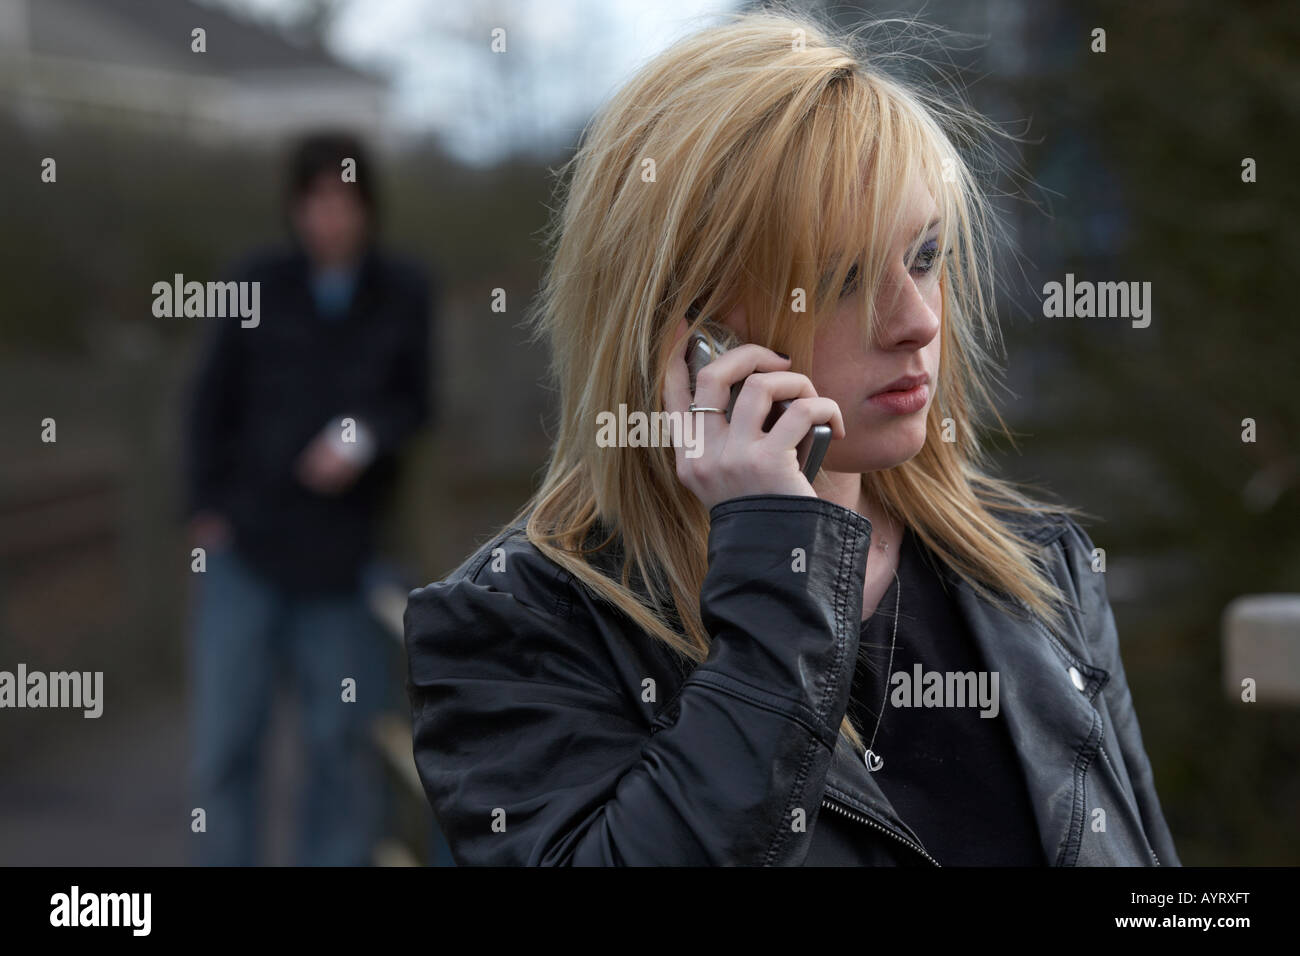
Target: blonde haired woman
(685, 659)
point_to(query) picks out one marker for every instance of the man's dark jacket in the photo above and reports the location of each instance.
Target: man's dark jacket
(549, 729)
(262, 393)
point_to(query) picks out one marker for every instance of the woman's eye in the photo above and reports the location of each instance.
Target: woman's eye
(850, 282)
(926, 257)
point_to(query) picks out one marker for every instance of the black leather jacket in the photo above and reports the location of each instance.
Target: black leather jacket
(548, 729)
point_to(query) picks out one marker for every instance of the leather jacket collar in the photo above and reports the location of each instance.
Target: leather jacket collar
(1055, 725)
(1052, 724)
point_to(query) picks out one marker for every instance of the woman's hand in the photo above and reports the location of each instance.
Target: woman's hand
(738, 458)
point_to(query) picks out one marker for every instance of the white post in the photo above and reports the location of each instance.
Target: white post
(1261, 643)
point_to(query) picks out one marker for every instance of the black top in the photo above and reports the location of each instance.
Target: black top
(262, 393)
(950, 774)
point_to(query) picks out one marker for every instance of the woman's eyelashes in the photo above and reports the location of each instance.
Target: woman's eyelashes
(850, 282)
(926, 260)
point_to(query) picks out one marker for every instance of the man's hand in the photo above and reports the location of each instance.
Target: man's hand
(209, 530)
(322, 469)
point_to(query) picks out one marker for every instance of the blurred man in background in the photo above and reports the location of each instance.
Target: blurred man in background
(291, 436)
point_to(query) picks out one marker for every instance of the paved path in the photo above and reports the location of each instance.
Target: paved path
(116, 794)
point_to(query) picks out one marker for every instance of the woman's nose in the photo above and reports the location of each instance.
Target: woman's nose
(908, 321)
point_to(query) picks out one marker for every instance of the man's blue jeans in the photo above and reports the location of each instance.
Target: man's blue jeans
(244, 633)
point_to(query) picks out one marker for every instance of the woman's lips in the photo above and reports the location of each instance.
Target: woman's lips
(905, 396)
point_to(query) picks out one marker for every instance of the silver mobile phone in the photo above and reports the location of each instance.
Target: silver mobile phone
(711, 341)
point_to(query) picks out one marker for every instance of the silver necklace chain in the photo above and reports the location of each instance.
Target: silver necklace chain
(872, 759)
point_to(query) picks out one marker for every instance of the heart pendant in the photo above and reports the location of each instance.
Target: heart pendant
(873, 761)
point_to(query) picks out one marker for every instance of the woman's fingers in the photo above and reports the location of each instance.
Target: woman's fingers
(797, 420)
(760, 391)
(708, 429)
(733, 459)
(713, 384)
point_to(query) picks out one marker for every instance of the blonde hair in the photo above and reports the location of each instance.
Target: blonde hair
(763, 132)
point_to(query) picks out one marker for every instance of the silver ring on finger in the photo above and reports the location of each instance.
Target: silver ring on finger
(703, 408)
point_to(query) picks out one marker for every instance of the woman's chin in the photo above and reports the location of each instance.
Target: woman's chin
(876, 452)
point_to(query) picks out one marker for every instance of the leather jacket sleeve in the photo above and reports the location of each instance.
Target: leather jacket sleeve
(534, 749)
(1102, 635)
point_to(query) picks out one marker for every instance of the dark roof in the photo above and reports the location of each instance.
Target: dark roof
(156, 34)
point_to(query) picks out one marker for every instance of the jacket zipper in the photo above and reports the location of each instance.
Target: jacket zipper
(655, 727)
(853, 815)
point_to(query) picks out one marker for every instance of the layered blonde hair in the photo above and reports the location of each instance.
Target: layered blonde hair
(749, 160)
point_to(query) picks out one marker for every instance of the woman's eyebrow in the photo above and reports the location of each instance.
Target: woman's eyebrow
(919, 233)
(924, 229)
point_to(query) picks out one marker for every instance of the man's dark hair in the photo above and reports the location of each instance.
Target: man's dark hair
(324, 152)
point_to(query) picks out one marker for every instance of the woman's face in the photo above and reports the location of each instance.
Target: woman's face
(884, 392)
